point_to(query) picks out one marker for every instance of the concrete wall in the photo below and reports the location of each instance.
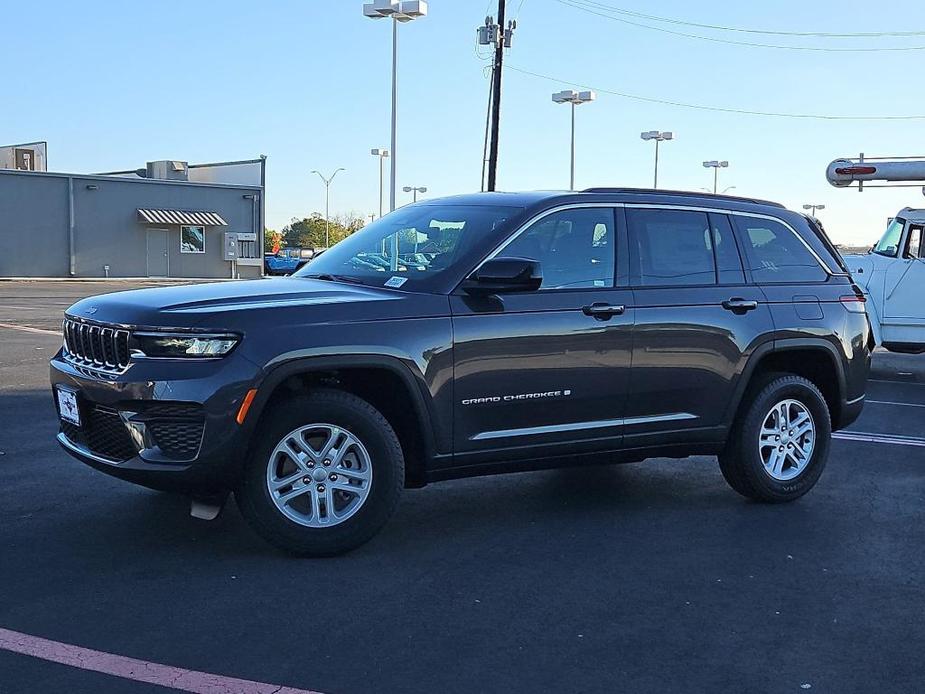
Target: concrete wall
(34, 221)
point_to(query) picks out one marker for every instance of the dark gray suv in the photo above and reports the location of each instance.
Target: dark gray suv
(473, 335)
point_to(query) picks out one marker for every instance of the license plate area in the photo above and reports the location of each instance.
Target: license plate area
(68, 408)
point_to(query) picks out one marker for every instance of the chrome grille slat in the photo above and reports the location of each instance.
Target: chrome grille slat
(95, 346)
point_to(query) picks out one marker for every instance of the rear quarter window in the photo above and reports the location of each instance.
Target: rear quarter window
(775, 254)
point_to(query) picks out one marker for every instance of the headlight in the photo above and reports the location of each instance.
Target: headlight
(184, 346)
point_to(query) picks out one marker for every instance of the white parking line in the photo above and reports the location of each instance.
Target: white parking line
(27, 329)
(879, 438)
(898, 404)
(133, 669)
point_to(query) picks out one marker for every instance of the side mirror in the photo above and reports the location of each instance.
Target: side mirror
(500, 275)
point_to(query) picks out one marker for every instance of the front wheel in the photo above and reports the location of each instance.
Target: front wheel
(324, 476)
(779, 445)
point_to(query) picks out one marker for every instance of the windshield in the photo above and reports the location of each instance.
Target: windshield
(889, 243)
(410, 247)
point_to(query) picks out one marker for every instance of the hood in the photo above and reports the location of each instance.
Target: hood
(222, 305)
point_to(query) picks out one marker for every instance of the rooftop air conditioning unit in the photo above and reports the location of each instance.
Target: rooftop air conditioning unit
(168, 170)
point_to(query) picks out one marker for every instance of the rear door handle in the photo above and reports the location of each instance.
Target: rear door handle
(603, 311)
(737, 305)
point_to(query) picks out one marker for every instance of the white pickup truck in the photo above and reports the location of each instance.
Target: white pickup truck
(892, 275)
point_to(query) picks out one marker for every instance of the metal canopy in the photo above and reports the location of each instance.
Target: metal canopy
(185, 218)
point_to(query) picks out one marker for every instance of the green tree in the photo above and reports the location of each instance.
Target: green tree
(309, 232)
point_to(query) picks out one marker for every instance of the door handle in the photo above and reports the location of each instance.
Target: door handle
(603, 311)
(737, 305)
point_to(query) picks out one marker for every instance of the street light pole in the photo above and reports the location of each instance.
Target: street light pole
(327, 201)
(570, 96)
(716, 166)
(382, 154)
(405, 11)
(658, 137)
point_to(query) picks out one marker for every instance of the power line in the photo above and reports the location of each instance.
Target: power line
(821, 49)
(766, 32)
(721, 109)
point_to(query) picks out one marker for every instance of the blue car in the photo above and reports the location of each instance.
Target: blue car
(288, 260)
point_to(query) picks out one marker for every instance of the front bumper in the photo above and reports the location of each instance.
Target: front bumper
(164, 424)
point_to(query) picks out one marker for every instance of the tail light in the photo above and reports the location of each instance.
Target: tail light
(854, 303)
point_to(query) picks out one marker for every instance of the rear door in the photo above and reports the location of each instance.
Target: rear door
(546, 367)
(697, 321)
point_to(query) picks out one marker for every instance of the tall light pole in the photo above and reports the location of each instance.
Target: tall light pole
(327, 204)
(570, 96)
(658, 137)
(813, 208)
(382, 154)
(415, 190)
(405, 11)
(716, 166)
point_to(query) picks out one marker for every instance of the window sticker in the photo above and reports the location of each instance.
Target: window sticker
(395, 282)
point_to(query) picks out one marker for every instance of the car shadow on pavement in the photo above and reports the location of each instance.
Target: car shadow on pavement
(47, 499)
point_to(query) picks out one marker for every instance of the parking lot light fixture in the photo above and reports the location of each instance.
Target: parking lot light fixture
(415, 190)
(327, 201)
(813, 208)
(405, 11)
(570, 96)
(716, 166)
(658, 137)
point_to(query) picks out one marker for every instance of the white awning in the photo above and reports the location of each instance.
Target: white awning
(182, 217)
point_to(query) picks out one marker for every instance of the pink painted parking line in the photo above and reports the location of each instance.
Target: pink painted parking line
(133, 669)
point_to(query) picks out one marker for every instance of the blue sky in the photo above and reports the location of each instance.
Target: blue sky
(113, 84)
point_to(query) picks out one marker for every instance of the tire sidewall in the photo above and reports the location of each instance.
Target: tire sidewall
(783, 389)
(377, 437)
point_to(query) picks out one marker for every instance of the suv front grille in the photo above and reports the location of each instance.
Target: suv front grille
(98, 347)
(102, 433)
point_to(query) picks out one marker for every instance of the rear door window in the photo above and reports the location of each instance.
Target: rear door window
(774, 253)
(672, 247)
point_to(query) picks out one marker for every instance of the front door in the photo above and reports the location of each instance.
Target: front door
(904, 291)
(158, 261)
(696, 320)
(550, 366)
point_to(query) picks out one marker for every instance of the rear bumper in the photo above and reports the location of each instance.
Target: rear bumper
(848, 413)
(163, 425)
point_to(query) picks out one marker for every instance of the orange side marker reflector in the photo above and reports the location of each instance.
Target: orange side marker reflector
(246, 405)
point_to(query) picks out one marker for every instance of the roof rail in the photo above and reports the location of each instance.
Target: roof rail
(683, 194)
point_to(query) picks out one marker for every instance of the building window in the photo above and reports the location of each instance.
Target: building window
(192, 239)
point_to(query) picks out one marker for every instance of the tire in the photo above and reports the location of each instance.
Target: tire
(752, 465)
(298, 526)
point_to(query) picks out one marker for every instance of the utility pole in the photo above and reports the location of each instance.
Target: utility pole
(502, 38)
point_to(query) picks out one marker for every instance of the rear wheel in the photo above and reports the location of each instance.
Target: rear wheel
(325, 475)
(780, 443)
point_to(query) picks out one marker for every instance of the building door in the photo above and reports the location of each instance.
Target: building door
(158, 263)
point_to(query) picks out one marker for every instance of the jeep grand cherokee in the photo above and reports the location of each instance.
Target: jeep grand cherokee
(473, 335)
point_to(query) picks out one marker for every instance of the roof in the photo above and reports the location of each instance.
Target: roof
(545, 197)
(190, 218)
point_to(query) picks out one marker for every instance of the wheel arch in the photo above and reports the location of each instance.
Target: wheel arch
(374, 378)
(817, 360)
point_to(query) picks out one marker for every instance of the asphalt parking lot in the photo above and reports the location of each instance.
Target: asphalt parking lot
(651, 577)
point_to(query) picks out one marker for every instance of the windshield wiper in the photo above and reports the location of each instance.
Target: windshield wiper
(327, 277)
